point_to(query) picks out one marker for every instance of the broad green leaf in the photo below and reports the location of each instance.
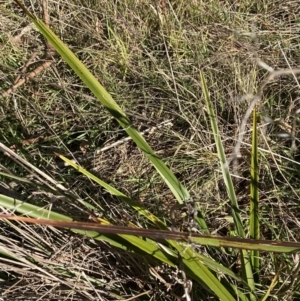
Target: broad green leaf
(41, 213)
(148, 246)
(202, 275)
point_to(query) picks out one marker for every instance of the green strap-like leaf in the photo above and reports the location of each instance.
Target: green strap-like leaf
(246, 264)
(108, 102)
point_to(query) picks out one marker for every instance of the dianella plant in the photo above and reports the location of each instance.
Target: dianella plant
(162, 243)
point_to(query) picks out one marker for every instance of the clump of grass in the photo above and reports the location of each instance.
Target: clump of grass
(152, 74)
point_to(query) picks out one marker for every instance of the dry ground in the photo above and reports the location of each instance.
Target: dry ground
(148, 55)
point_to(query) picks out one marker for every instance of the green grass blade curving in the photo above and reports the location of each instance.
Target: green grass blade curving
(254, 197)
(197, 270)
(108, 102)
(246, 264)
(202, 273)
(140, 209)
(33, 211)
(41, 213)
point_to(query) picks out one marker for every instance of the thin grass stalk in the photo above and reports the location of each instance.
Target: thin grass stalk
(254, 197)
(186, 237)
(223, 161)
(245, 259)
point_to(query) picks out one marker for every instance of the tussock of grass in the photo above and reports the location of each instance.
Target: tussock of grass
(150, 64)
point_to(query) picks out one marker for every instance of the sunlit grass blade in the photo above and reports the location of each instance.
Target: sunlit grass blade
(30, 209)
(193, 264)
(145, 245)
(254, 197)
(223, 161)
(271, 287)
(41, 213)
(139, 244)
(200, 272)
(246, 264)
(108, 102)
(140, 209)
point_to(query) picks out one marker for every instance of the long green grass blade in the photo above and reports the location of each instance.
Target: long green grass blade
(223, 161)
(254, 197)
(108, 102)
(41, 213)
(140, 209)
(149, 246)
(246, 264)
(203, 273)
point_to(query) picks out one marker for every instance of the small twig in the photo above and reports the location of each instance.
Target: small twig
(49, 52)
(30, 60)
(32, 74)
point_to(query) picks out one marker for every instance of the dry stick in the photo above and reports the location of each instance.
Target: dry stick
(32, 74)
(50, 51)
(30, 60)
(255, 99)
